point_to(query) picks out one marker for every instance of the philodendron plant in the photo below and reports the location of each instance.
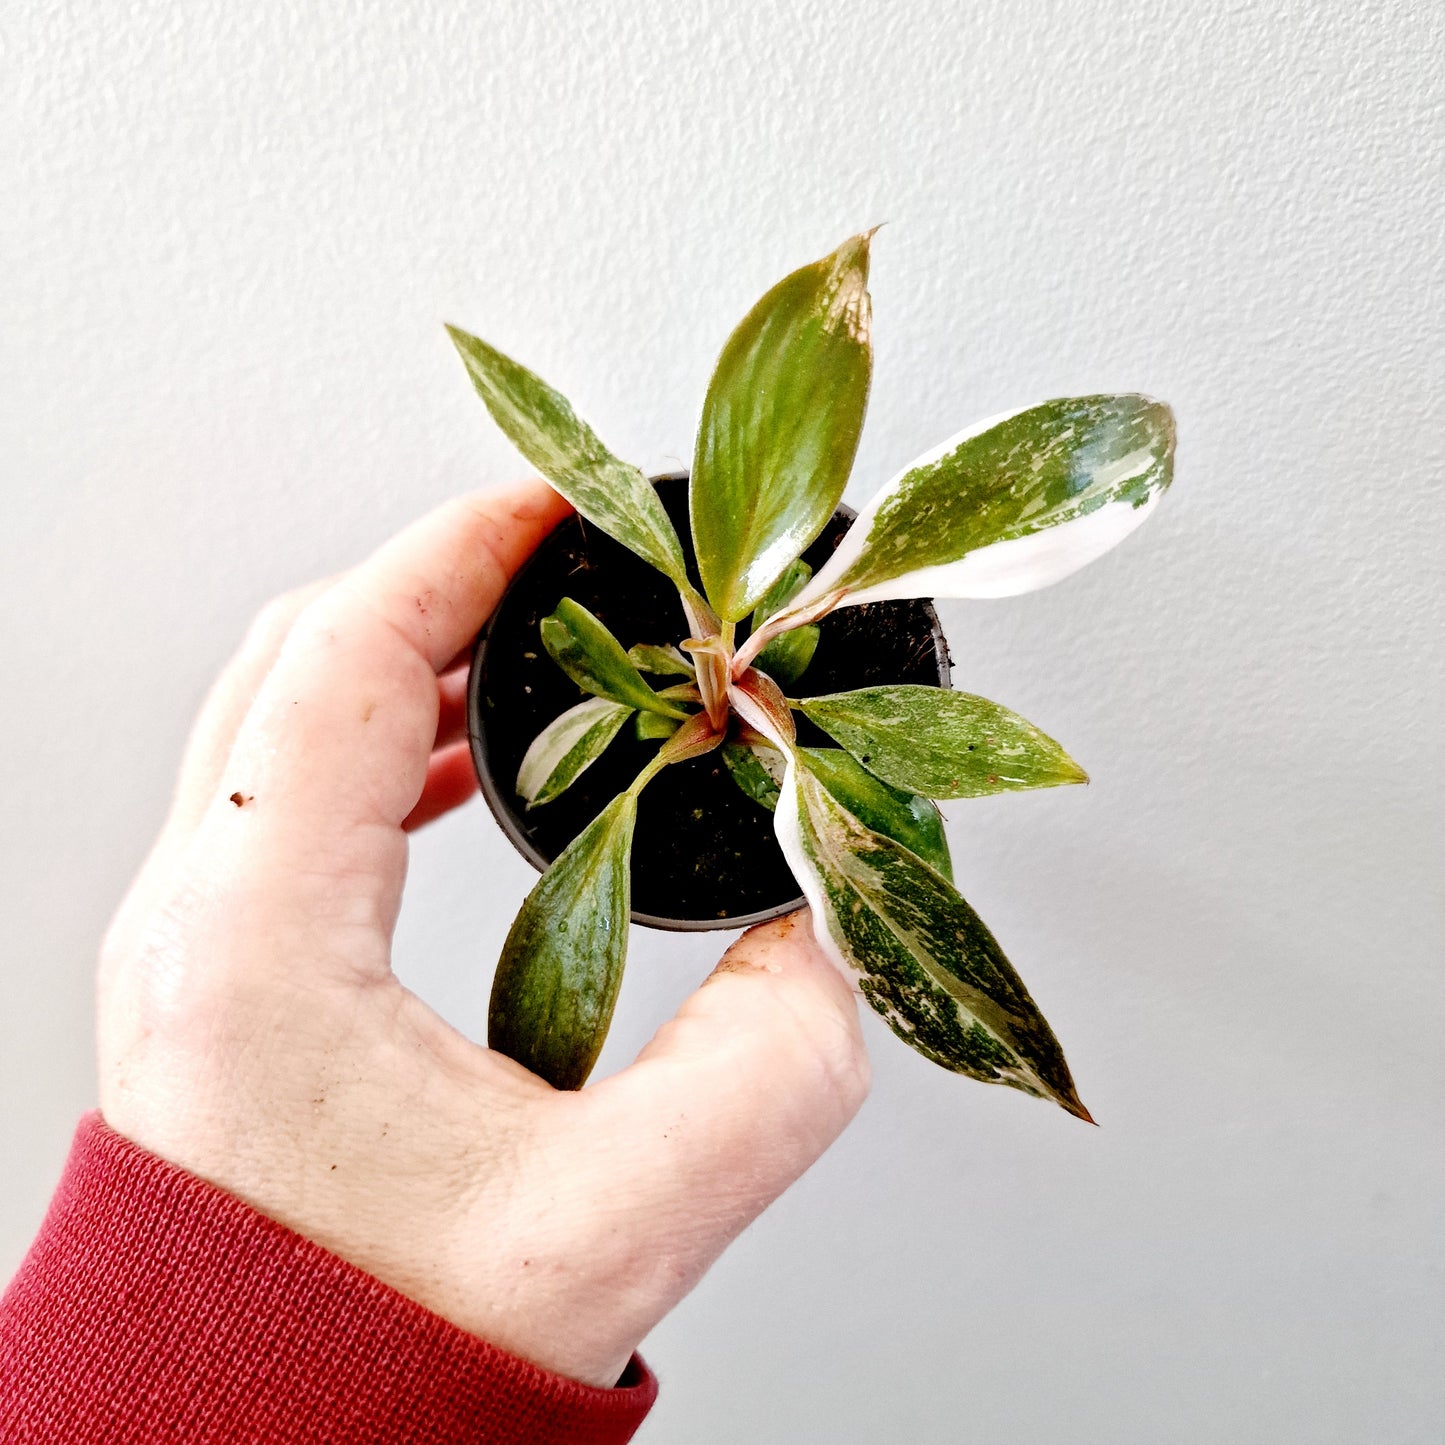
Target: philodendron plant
(1009, 505)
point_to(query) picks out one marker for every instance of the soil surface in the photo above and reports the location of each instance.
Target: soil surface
(703, 851)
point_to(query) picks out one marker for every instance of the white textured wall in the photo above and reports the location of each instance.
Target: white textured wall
(228, 236)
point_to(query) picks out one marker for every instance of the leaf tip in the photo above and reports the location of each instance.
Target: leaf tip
(459, 338)
(1067, 1098)
(846, 305)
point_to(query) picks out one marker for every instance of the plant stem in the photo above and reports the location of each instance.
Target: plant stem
(695, 737)
(648, 773)
(780, 622)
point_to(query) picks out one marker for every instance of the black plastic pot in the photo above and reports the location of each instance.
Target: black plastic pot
(704, 854)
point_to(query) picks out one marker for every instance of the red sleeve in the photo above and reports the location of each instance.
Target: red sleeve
(154, 1307)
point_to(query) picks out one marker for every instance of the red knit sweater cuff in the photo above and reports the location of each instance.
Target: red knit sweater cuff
(154, 1307)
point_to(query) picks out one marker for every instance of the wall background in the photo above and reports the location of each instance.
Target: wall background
(229, 236)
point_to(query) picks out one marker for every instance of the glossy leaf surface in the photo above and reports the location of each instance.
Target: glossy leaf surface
(906, 818)
(540, 423)
(747, 771)
(593, 658)
(780, 427)
(790, 582)
(1014, 504)
(561, 965)
(942, 744)
(923, 958)
(785, 659)
(567, 746)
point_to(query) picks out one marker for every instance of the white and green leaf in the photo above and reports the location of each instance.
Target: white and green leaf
(906, 818)
(593, 658)
(920, 955)
(1012, 504)
(541, 424)
(561, 966)
(567, 746)
(941, 744)
(780, 427)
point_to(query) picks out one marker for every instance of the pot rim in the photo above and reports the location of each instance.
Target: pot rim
(502, 809)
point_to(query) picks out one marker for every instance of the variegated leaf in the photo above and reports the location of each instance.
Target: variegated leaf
(567, 746)
(941, 744)
(540, 423)
(780, 427)
(593, 658)
(561, 966)
(906, 818)
(922, 957)
(1013, 504)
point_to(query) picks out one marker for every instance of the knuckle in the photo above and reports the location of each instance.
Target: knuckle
(276, 618)
(272, 622)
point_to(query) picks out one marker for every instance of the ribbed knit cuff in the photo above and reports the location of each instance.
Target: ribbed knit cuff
(154, 1307)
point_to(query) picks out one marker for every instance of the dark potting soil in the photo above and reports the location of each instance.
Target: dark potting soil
(702, 848)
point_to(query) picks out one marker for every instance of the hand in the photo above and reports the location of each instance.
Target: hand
(253, 1033)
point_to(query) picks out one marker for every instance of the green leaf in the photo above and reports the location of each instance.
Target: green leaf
(789, 584)
(748, 772)
(913, 821)
(941, 744)
(780, 427)
(562, 962)
(540, 423)
(660, 661)
(1013, 504)
(567, 746)
(681, 692)
(923, 958)
(785, 659)
(650, 727)
(593, 658)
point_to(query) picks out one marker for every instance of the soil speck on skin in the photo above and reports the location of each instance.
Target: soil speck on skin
(367, 715)
(241, 799)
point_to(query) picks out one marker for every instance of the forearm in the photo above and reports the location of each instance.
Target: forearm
(155, 1307)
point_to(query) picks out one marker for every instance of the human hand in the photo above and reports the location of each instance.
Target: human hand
(252, 1032)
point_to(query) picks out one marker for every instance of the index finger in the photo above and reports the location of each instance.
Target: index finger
(343, 727)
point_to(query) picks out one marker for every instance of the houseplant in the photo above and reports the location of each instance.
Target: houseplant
(1009, 505)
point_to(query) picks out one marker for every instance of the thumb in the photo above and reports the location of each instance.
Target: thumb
(739, 1093)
